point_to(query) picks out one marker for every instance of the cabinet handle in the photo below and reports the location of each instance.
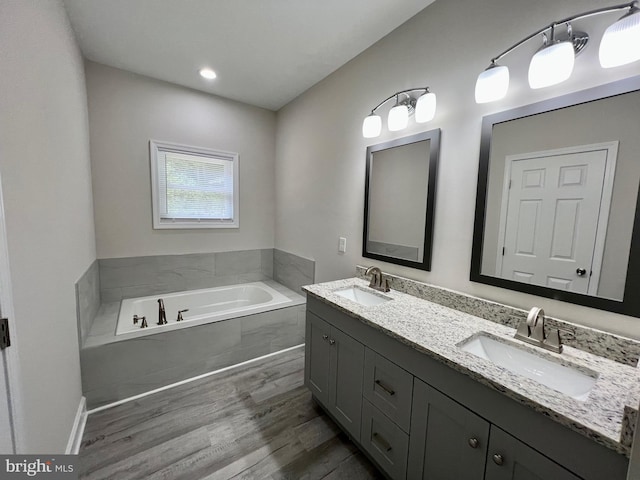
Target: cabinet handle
(382, 442)
(389, 391)
(474, 443)
(332, 342)
(497, 459)
(325, 337)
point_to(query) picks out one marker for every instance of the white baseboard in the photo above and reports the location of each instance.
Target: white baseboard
(75, 439)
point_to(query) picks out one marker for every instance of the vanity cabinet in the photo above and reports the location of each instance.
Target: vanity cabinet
(449, 441)
(334, 364)
(418, 418)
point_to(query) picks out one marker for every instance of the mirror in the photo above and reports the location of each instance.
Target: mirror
(400, 199)
(557, 199)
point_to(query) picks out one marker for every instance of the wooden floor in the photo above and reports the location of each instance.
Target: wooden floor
(254, 422)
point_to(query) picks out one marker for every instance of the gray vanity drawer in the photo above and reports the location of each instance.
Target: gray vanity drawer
(388, 387)
(386, 443)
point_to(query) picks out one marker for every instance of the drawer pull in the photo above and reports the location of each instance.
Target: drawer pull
(382, 442)
(473, 442)
(497, 459)
(389, 391)
(332, 342)
(325, 337)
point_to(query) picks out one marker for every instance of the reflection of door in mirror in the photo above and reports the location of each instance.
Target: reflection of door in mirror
(591, 125)
(554, 216)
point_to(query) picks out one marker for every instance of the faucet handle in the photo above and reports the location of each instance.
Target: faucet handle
(535, 322)
(180, 312)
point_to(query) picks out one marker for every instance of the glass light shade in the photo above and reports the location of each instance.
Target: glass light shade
(492, 84)
(207, 73)
(551, 65)
(398, 118)
(621, 41)
(426, 107)
(372, 126)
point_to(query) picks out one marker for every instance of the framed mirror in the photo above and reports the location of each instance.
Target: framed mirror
(557, 199)
(399, 201)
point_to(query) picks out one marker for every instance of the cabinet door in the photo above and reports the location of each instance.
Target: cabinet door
(510, 459)
(345, 390)
(448, 441)
(317, 357)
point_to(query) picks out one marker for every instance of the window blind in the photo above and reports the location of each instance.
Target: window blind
(195, 187)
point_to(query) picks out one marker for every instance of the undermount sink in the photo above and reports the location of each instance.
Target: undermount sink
(564, 379)
(361, 296)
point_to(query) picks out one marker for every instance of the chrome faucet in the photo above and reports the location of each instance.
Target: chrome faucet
(532, 331)
(162, 316)
(378, 281)
(180, 312)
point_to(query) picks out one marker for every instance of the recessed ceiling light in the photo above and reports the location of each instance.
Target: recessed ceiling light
(207, 73)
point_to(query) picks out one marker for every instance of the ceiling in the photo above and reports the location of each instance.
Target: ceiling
(265, 52)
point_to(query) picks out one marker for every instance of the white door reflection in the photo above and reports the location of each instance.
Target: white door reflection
(554, 215)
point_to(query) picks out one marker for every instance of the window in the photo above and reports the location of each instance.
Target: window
(193, 187)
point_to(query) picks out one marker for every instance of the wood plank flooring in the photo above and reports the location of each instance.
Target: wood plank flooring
(254, 422)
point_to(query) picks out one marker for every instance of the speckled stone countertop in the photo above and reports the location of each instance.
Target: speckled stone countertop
(438, 331)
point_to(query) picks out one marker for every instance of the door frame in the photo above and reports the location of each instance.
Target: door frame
(605, 201)
(10, 389)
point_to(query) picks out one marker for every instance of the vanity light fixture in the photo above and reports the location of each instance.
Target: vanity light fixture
(553, 62)
(407, 104)
(207, 73)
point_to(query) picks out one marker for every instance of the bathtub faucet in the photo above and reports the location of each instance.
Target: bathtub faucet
(162, 316)
(180, 312)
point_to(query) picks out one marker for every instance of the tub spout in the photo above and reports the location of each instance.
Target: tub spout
(162, 316)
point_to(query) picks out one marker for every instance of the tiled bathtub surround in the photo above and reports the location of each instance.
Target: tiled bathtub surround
(114, 369)
(608, 345)
(133, 277)
(87, 300)
(292, 271)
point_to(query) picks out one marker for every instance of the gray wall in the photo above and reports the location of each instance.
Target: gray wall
(46, 181)
(320, 163)
(125, 112)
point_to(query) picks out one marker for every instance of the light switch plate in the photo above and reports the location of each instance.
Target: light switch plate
(342, 244)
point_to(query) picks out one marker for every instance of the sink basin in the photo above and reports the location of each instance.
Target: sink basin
(361, 296)
(564, 379)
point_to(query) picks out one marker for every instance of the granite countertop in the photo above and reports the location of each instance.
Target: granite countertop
(437, 331)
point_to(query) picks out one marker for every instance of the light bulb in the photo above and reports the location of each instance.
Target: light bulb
(398, 118)
(207, 73)
(621, 41)
(426, 107)
(492, 84)
(371, 126)
(551, 64)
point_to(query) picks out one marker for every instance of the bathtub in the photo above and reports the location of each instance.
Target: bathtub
(203, 306)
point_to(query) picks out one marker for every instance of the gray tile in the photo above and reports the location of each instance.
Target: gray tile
(87, 300)
(127, 272)
(132, 359)
(292, 271)
(266, 256)
(239, 262)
